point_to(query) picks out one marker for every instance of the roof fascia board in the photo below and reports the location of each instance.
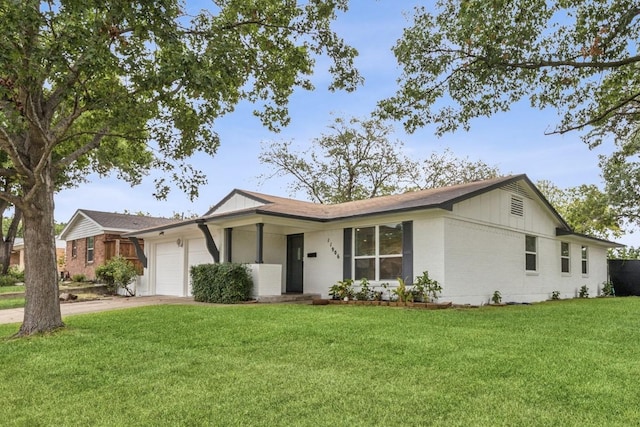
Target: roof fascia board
(562, 232)
(75, 216)
(230, 195)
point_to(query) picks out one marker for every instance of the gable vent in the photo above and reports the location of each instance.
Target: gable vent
(517, 206)
(516, 188)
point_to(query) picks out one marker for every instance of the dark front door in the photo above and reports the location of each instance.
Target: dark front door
(295, 251)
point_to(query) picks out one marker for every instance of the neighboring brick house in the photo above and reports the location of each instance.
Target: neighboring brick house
(17, 254)
(94, 237)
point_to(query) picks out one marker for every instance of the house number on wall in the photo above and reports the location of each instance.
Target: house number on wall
(335, 252)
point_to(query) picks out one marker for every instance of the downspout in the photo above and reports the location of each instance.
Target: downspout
(211, 245)
(139, 251)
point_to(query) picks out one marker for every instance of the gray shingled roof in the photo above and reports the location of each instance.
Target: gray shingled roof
(118, 221)
(443, 198)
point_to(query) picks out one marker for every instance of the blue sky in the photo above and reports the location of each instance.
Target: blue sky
(514, 141)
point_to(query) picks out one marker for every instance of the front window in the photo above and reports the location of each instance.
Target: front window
(531, 253)
(378, 252)
(585, 260)
(565, 260)
(89, 249)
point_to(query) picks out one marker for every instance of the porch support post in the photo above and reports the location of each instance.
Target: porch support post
(228, 233)
(139, 251)
(211, 245)
(259, 242)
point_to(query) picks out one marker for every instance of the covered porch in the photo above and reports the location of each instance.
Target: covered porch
(273, 249)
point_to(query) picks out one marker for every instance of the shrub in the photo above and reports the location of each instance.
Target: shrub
(78, 278)
(365, 293)
(425, 289)
(497, 297)
(7, 280)
(555, 295)
(226, 283)
(584, 292)
(608, 290)
(342, 290)
(117, 273)
(16, 273)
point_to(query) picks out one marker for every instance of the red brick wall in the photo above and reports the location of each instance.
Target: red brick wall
(79, 264)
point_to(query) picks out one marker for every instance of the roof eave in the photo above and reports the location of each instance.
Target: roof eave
(604, 242)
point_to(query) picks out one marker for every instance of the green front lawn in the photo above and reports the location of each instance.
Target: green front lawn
(9, 289)
(564, 363)
(11, 303)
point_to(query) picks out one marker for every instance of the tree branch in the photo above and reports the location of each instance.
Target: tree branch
(599, 117)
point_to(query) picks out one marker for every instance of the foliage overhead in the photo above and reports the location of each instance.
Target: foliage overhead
(127, 86)
(479, 57)
(358, 160)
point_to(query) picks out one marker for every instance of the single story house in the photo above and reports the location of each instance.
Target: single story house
(476, 238)
(94, 237)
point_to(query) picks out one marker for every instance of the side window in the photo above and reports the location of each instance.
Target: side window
(90, 242)
(585, 260)
(531, 253)
(74, 249)
(565, 259)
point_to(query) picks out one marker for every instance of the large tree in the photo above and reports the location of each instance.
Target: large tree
(578, 56)
(101, 86)
(467, 59)
(358, 160)
(585, 208)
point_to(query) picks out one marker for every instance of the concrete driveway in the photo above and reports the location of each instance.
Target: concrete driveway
(16, 315)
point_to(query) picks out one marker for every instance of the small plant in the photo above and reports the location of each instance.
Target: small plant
(79, 278)
(555, 295)
(365, 293)
(608, 290)
(343, 290)
(426, 289)
(584, 292)
(402, 292)
(117, 273)
(376, 295)
(496, 298)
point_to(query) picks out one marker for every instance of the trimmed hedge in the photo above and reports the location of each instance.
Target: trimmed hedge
(226, 283)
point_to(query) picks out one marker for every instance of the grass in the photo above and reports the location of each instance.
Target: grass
(564, 363)
(9, 289)
(11, 303)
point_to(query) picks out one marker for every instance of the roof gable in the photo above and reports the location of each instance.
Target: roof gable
(85, 223)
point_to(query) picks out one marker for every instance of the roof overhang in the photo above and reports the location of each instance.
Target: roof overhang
(588, 239)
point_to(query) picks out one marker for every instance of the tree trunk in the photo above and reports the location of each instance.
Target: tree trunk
(42, 308)
(9, 239)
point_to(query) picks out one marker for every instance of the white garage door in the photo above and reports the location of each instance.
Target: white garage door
(169, 278)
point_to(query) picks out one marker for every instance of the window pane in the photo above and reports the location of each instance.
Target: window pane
(530, 243)
(565, 265)
(585, 269)
(564, 249)
(365, 268)
(390, 268)
(391, 239)
(530, 262)
(584, 252)
(365, 241)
